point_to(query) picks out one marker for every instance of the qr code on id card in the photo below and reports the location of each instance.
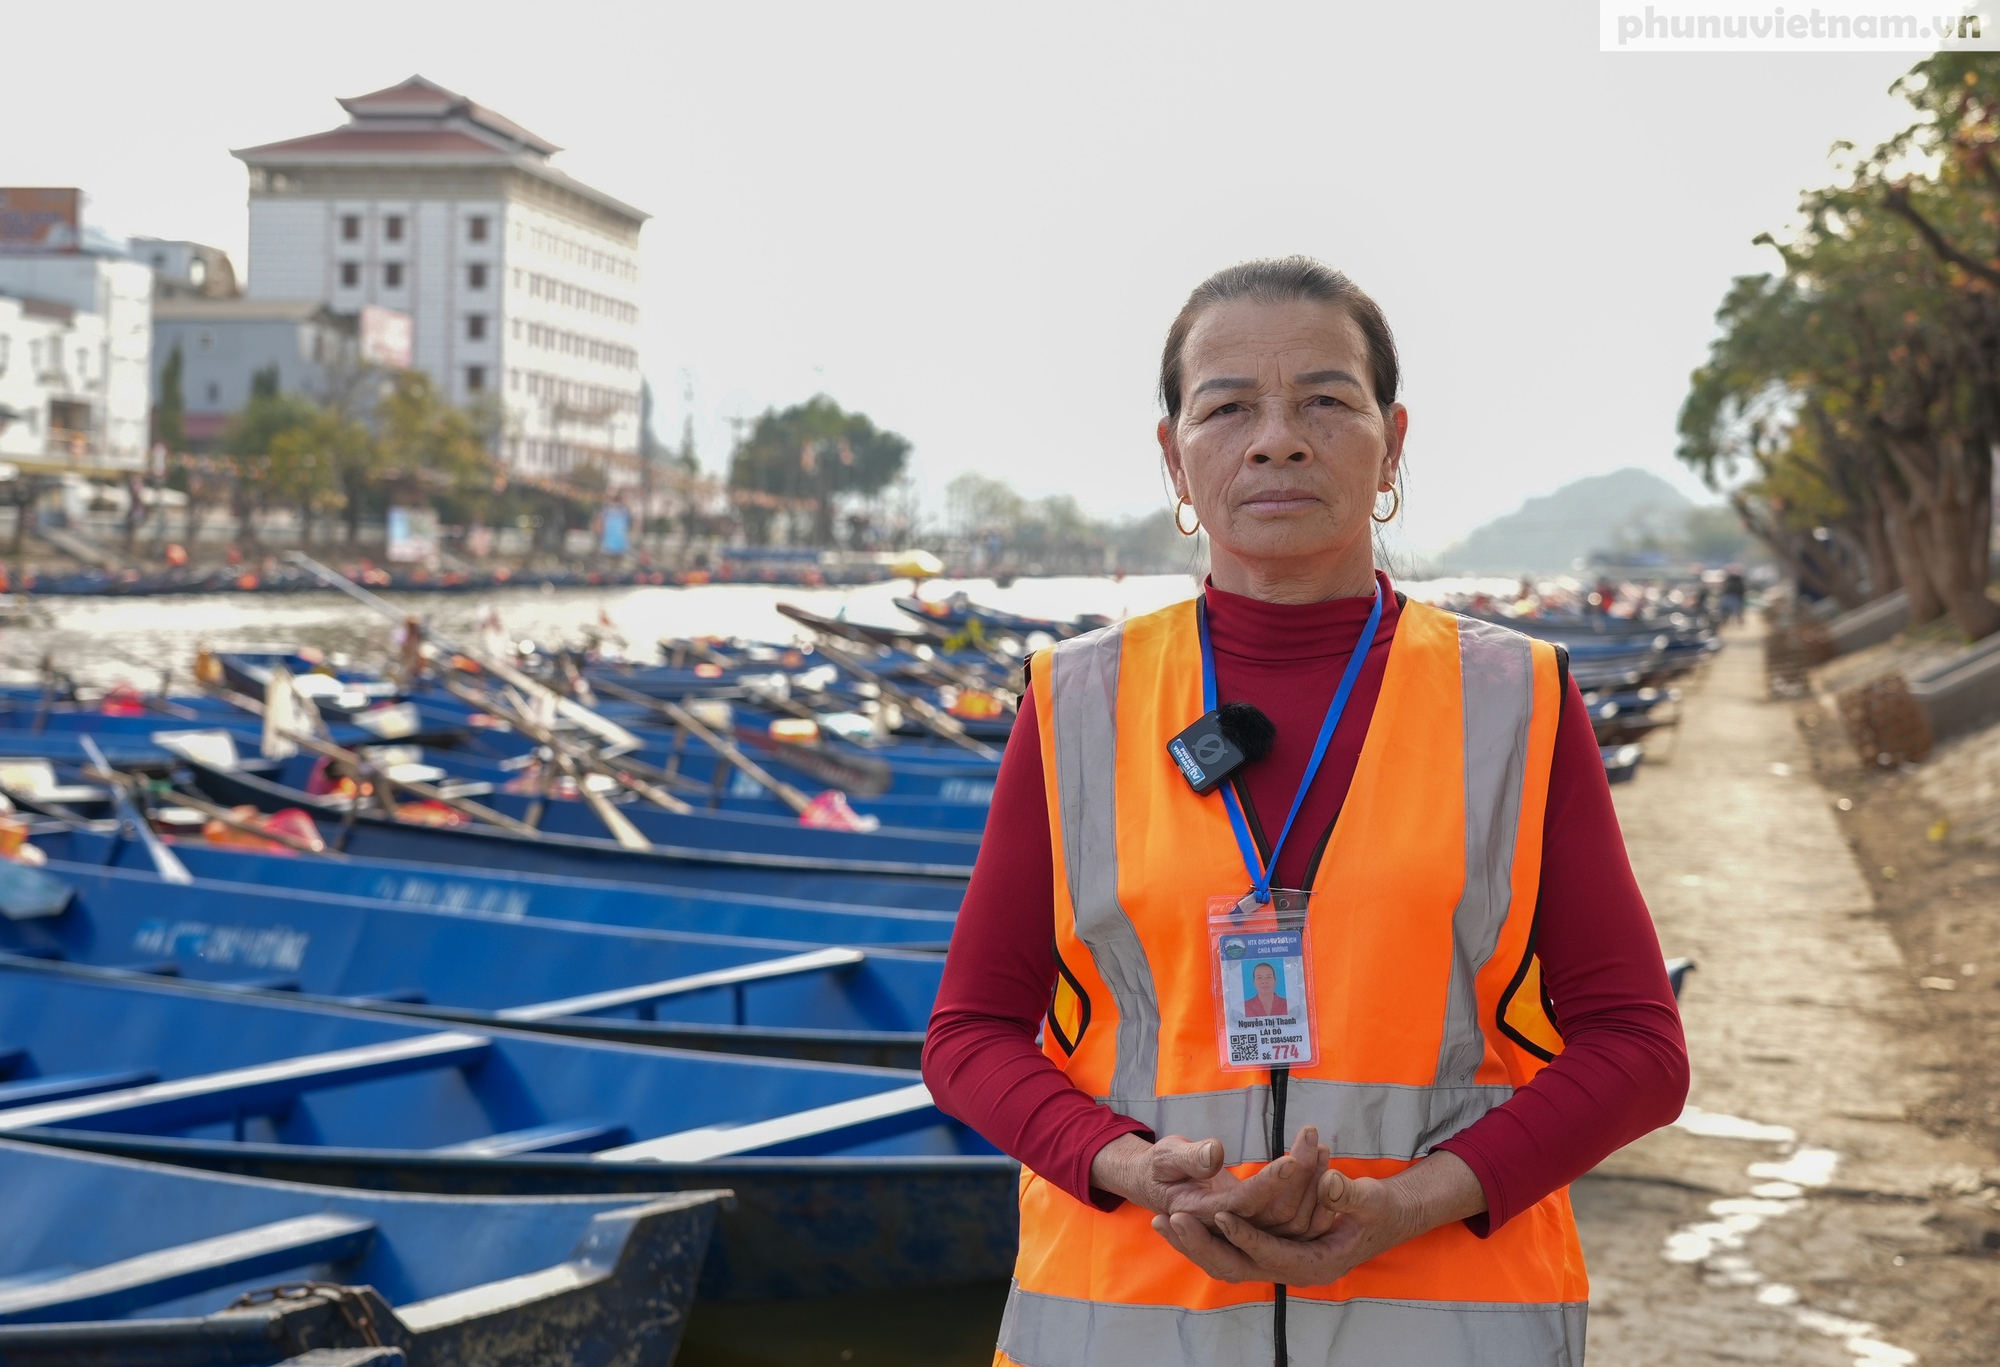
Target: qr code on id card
(1243, 1048)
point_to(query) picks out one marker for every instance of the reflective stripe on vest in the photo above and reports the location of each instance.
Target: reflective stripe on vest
(1426, 993)
(1054, 1331)
(1359, 1120)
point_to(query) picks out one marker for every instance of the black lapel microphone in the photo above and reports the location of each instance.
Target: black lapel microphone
(1220, 743)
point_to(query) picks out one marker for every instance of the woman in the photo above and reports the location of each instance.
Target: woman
(1485, 1016)
(1265, 1001)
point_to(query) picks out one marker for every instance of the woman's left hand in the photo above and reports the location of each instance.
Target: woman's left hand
(1367, 1216)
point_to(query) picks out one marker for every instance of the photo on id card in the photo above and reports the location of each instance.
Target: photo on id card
(1264, 1000)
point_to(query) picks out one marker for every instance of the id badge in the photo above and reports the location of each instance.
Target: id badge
(1261, 957)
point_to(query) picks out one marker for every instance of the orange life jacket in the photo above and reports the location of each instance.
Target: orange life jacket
(1428, 999)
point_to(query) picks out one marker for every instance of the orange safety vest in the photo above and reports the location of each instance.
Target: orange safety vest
(1428, 995)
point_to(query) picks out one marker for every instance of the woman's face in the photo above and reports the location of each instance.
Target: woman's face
(1267, 981)
(1279, 444)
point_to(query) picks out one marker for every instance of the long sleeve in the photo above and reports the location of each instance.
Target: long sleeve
(1623, 1069)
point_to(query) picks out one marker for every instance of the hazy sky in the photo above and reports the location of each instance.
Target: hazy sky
(975, 224)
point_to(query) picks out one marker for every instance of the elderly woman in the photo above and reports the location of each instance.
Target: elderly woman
(1399, 810)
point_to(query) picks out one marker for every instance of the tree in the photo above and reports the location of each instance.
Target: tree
(424, 445)
(263, 423)
(169, 413)
(1863, 385)
(310, 461)
(982, 507)
(812, 454)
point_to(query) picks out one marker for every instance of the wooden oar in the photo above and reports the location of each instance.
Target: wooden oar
(165, 862)
(728, 749)
(560, 756)
(937, 722)
(869, 777)
(182, 797)
(326, 748)
(611, 731)
(618, 768)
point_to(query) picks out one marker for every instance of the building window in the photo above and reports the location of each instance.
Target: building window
(475, 276)
(392, 274)
(350, 227)
(350, 274)
(204, 341)
(392, 227)
(214, 394)
(475, 327)
(475, 227)
(475, 377)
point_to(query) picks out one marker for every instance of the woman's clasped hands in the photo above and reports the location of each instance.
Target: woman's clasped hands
(1297, 1220)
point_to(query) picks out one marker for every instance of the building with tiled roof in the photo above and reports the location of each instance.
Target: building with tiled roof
(521, 283)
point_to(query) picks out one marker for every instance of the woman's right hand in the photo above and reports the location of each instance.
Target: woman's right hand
(1178, 1175)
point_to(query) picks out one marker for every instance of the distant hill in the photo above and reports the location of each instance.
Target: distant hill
(1548, 535)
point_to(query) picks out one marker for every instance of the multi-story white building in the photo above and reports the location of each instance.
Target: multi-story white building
(521, 282)
(75, 348)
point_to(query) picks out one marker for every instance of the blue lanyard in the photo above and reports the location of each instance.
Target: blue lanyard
(1261, 873)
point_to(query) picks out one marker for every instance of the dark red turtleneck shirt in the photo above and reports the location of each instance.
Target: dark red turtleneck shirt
(1623, 1070)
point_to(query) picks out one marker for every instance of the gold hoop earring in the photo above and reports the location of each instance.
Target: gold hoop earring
(1185, 531)
(1396, 506)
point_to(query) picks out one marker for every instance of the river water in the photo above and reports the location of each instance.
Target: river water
(103, 641)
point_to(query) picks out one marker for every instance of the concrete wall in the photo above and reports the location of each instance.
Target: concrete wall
(219, 357)
(113, 301)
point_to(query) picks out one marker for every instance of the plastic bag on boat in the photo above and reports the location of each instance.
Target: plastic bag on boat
(830, 811)
(220, 832)
(296, 823)
(429, 814)
(14, 841)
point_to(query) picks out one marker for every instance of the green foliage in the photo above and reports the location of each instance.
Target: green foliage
(1856, 394)
(169, 413)
(263, 420)
(264, 383)
(977, 504)
(817, 451)
(310, 462)
(424, 441)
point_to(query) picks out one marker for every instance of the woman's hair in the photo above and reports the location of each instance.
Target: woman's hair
(1281, 280)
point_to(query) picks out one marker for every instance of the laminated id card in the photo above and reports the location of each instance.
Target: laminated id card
(1262, 961)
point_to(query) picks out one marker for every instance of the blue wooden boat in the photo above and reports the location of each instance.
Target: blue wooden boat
(911, 768)
(757, 996)
(880, 882)
(1621, 762)
(466, 888)
(246, 729)
(846, 1178)
(113, 1262)
(959, 612)
(934, 851)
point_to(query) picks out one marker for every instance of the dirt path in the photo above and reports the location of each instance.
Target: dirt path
(1797, 1214)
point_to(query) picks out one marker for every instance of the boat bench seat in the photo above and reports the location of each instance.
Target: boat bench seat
(256, 1090)
(791, 965)
(564, 1136)
(822, 1129)
(62, 1086)
(117, 1289)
